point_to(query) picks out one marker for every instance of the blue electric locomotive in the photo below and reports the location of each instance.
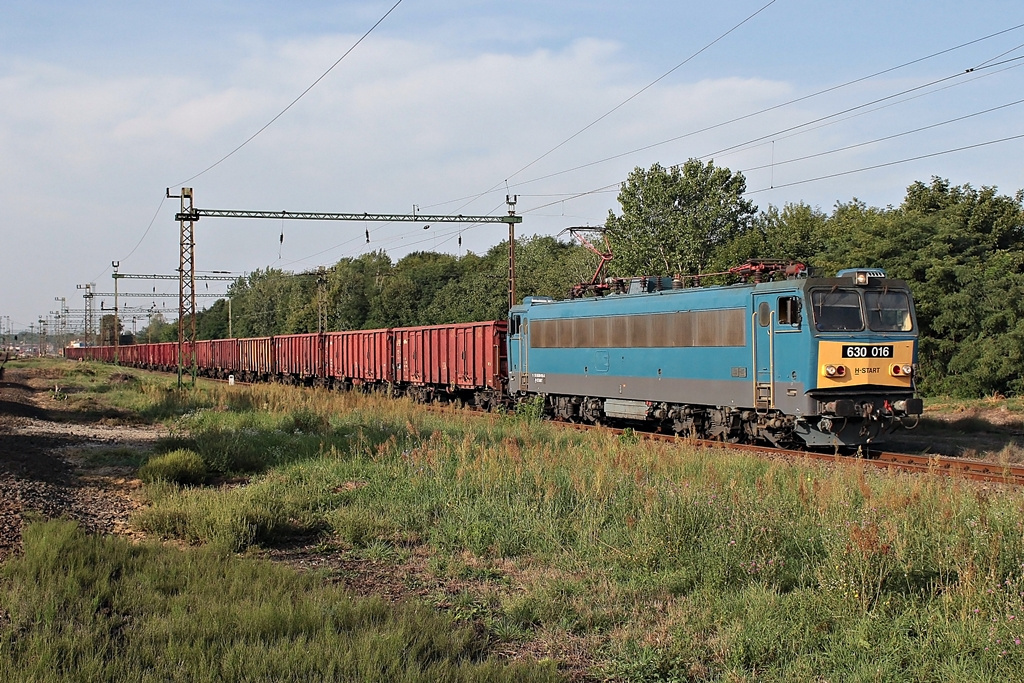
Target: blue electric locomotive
(801, 361)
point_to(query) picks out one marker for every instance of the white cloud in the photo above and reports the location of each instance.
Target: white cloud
(85, 155)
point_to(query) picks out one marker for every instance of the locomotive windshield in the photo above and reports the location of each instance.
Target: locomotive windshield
(888, 311)
(840, 310)
(837, 310)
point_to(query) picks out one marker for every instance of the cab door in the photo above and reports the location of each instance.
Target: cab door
(763, 336)
(518, 342)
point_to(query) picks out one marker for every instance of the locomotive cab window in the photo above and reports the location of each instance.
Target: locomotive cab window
(888, 311)
(837, 310)
(789, 310)
(513, 329)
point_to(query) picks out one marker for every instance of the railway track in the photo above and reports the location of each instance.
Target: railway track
(967, 468)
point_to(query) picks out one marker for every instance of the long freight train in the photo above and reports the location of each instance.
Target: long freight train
(804, 361)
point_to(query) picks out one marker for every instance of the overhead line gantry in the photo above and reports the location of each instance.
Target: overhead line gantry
(190, 213)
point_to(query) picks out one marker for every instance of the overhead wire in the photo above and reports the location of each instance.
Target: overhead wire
(621, 104)
(386, 241)
(884, 138)
(889, 163)
(148, 228)
(986, 65)
(861, 106)
(263, 128)
(809, 129)
(614, 186)
(791, 102)
(759, 112)
(570, 196)
(293, 102)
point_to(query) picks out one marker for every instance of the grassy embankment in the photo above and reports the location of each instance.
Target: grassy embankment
(653, 562)
(81, 608)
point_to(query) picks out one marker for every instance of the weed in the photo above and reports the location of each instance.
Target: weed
(382, 551)
(629, 437)
(532, 409)
(180, 467)
(308, 421)
(78, 607)
(508, 630)
(667, 562)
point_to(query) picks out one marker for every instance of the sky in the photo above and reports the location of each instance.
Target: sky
(447, 106)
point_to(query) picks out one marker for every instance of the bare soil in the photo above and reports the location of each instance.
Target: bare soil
(987, 433)
(48, 463)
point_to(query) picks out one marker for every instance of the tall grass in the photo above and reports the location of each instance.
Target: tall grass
(667, 563)
(684, 564)
(85, 608)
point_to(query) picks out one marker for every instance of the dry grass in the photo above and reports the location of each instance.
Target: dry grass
(642, 559)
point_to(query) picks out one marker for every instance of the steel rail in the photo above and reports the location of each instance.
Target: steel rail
(967, 468)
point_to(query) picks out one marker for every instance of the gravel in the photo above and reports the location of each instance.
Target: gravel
(49, 464)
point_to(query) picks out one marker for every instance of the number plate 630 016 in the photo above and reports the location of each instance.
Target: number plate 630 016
(867, 351)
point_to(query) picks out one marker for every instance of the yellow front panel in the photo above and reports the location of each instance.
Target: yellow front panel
(870, 365)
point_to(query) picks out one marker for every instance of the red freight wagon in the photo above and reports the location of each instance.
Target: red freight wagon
(204, 356)
(223, 357)
(299, 358)
(217, 357)
(255, 359)
(165, 356)
(129, 355)
(151, 356)
(359, 357)
(160, 355)
(452, 359)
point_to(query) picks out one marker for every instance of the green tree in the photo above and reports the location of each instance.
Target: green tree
(673, 220)
(260, 303)
(212, 323)
(961, 251)
(480, 293)
(798, 232)
(405, 294)
(158, 330)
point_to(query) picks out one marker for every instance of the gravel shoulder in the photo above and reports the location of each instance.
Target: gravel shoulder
(53, 463)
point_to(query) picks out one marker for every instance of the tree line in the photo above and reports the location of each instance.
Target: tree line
(961, 250)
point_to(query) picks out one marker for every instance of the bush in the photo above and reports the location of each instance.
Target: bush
(181, 467)
(307, 421)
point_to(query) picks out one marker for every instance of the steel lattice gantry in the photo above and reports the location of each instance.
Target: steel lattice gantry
(189, 214)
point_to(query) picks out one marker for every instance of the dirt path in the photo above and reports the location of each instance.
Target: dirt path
(52, 464)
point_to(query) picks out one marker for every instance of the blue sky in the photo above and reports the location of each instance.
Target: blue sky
(103, 105)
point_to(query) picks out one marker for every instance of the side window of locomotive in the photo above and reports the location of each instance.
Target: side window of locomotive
(513, 329)
(764, 314)
(789, 310)
(837, 310)
(888, 311)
